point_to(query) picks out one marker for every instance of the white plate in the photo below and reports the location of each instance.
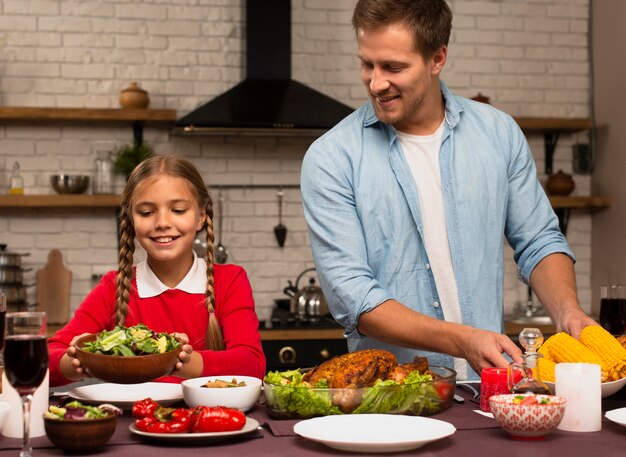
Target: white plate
(608, 388)
(617, 415)
(124, 395)
(250, 426)
(373, 432)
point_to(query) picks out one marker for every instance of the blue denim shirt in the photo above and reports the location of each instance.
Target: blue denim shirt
(365, 224)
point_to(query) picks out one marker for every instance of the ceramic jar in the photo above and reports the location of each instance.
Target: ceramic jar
(560, 184)
(134, 97)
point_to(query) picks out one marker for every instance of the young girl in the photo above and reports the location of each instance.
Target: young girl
(209, 307)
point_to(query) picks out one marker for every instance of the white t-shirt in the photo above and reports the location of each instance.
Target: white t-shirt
(422, 154)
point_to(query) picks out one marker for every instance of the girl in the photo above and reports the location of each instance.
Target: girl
(208, 307)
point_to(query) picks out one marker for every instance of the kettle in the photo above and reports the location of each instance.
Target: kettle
(307, 303)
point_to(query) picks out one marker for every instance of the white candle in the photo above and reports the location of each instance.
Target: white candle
(15, 423)
(580, 383)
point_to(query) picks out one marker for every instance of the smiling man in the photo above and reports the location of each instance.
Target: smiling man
(409, 200)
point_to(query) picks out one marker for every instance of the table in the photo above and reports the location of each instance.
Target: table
(476, 436)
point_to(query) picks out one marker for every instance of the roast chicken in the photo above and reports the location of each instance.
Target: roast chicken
(363, 368)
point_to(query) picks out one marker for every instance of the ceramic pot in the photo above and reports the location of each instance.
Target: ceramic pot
(134, 97)
(560, 184)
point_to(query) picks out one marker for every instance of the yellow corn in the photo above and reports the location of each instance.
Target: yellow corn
(565, 348)
(610, 351)
(546, 369)
(545, 350)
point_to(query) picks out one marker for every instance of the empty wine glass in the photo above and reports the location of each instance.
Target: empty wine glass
(26, 361)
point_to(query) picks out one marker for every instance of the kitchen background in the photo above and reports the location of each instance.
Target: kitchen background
(531, 58)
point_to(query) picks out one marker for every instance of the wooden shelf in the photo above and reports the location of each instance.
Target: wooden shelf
(550, 124)
(580, 202)
(112, 201)
(89, 115)
(60, 201)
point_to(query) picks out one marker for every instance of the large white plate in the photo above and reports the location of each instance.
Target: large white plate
(124, 395)
(249, 426)
(373, 432)
(617, 415)
(607, 388)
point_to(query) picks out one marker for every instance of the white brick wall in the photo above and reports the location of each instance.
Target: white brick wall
(530, 58)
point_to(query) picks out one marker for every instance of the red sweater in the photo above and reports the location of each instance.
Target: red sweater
(177, 311)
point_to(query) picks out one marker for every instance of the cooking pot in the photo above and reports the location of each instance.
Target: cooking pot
(15, 293)
(10, 259)
(11, 275)
(307, 303)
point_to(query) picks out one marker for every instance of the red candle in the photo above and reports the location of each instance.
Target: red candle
(493, 381)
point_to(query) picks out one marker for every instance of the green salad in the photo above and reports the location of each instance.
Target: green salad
(418, 395)
(131, 341)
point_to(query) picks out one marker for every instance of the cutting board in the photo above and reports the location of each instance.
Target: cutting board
(53, 289)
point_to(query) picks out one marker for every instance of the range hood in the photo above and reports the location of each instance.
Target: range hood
(267, 101)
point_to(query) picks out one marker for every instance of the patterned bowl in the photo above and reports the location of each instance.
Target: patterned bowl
(528, 421)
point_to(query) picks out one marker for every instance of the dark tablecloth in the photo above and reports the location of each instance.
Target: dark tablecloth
(476, 436)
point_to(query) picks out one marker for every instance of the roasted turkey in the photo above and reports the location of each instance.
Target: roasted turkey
(363, 368)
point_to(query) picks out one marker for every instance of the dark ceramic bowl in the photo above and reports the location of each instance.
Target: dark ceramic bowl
(78, 436)
(125, 370)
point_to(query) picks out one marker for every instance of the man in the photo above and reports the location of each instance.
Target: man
(409, 199)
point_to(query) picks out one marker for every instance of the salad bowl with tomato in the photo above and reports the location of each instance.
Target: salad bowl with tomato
(528, 416)
(419, 394)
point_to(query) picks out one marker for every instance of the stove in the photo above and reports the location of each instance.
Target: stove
(282, 319)
(290, 341)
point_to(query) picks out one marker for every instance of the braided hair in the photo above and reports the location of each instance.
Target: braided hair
(175, 166)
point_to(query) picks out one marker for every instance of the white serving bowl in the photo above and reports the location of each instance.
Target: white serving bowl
(607, 388)
(4, 414)
(242, 398)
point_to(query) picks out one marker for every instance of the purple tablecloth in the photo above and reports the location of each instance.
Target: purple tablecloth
(476, 436)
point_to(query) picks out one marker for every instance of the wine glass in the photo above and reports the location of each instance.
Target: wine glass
(3, 311)
(26, 361)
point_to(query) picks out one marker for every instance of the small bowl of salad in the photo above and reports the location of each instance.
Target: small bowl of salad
(128, 355)
(77, 428)
(233, 391)
(528, 416)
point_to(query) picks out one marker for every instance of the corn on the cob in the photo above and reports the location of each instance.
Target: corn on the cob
(544, 350)
(546, 369)
(607, 347)
(565, 348)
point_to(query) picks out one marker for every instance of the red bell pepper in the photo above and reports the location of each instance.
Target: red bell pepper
(218, 419)
(152, 417)
(144, 408)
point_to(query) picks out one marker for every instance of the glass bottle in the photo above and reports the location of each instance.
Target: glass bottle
(530, 339)
(16, 183)
(103, 177)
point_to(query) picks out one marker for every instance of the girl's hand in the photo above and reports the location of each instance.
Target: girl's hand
(70, 365)
(186, 350)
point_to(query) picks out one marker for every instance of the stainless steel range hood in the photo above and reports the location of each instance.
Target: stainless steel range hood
(268, 101)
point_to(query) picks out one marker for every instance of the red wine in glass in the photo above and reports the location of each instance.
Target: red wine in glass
(613, 315)
(25, 362)
(2, 316)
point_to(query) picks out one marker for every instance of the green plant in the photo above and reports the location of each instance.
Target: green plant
(128, 156)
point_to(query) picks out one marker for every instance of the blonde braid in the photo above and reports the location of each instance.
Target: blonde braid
(125, 269)
(214, 336)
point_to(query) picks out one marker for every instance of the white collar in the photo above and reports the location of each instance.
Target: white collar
(148, 285)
